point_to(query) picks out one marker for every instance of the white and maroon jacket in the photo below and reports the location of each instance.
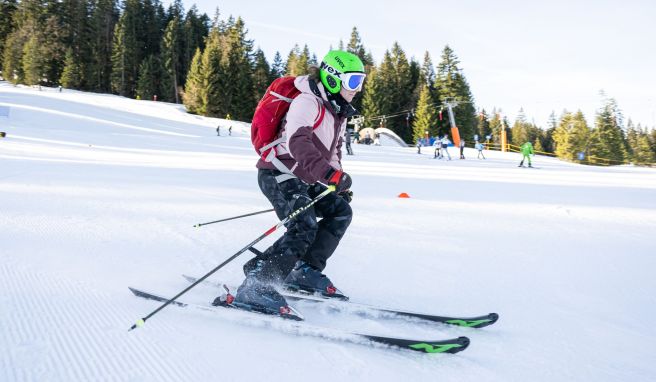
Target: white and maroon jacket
(310, 153)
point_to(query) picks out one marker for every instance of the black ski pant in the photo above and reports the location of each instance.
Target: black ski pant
(306, 238)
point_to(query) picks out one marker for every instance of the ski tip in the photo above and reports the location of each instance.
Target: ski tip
(434, 347)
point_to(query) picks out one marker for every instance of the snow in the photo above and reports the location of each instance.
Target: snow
(98, 193)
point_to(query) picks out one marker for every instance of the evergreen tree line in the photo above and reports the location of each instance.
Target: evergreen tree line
(136, 48)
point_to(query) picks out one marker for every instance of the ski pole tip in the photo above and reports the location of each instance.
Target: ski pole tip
(138, 324)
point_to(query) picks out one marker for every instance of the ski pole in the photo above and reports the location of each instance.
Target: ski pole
(284, 221)
(232, 218)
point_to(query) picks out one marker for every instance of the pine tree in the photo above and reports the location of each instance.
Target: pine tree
(102, 23)
(452, 84)
(356, 47)
(425, 116)
(521, 130)
(237, 79)
(298, 61)
(496, 125)
(196, 28)
(170, 62)
(277, 67)
(12, 64)
(608, 137)
(391, 91)
(150, 28)
(32, 61)
(75, 43)
(212, 94)
(193, 94)
(640, 151)
(7, 25)
(53, 38)
(71, 76)
(261, 74)
(150, 75)
(372, 99)
(571, 136)
(127, 51)
(484, 128)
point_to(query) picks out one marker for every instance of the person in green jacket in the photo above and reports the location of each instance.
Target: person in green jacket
(527, 151)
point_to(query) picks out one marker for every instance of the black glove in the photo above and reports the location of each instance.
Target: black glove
(347, 195)
(341, 180)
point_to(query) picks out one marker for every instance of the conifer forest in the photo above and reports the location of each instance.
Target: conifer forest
(140, 49)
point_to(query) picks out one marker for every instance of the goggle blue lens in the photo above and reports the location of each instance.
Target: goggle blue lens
(355, 81)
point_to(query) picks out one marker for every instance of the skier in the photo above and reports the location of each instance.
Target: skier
(347, 138)
(229, 118)
(418, 145)
(445, 146)
(218, 131)
(438, 148)
(479, 147)
(313, 156)
(527, 151)
(462, 149)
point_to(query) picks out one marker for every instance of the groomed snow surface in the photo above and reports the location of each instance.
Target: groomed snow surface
(98, 193)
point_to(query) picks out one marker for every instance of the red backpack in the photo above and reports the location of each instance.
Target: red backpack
(269, 114)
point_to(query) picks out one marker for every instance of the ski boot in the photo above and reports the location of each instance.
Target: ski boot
(306, 279)
(257, 295)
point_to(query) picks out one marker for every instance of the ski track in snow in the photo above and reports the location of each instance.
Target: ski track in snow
(57, 330)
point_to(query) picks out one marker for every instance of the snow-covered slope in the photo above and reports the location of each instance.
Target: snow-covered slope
(99, 192)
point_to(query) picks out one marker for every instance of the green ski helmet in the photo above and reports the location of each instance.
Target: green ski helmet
(340, 68)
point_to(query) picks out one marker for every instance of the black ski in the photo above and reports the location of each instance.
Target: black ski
(470, 322)
(451, 346)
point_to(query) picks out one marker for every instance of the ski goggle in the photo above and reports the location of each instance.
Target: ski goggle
(352, 81)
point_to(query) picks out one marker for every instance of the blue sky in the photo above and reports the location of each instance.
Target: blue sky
(542, 57)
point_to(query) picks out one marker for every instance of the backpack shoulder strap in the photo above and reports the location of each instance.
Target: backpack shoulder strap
(271, 156)
(320, 115)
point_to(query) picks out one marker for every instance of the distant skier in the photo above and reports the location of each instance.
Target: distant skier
(527, 151)
(218, 131)
(229, 118)
(438, 148)
(419, 146)
(347, 139)
(479, 147)
(462, 149)
(445, 147)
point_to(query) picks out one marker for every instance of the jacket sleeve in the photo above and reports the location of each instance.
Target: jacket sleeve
(301, 117)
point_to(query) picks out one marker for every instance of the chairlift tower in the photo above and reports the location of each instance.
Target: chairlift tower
(455, 134)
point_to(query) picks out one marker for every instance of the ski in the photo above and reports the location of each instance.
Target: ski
(450, 346)
(341, 305)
